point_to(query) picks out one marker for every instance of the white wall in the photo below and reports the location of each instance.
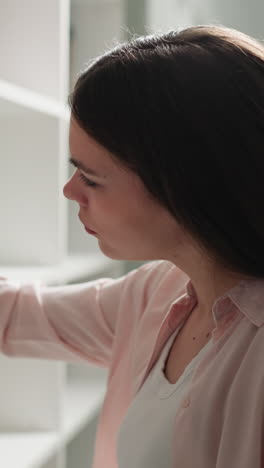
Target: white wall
(244, 15)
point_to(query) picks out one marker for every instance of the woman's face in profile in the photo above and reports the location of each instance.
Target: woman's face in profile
(128, 223)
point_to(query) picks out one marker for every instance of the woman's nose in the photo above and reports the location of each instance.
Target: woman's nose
(67, 189)
(71, 190)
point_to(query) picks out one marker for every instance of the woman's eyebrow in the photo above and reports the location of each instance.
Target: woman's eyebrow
(85, 169)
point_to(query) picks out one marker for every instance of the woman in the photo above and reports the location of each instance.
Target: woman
(167, 135)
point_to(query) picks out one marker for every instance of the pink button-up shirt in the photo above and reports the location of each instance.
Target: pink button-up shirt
(122, 324)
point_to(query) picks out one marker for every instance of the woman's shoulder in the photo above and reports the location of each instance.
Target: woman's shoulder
(155, 269)
(157, 275)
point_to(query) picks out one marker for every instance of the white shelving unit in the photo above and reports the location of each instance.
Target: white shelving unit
(48, 409)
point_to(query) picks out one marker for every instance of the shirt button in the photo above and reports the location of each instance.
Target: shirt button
(186, 402)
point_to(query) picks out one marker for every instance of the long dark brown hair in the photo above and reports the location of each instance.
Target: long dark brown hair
(184, 110)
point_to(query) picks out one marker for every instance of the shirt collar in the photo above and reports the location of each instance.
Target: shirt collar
(247, 295)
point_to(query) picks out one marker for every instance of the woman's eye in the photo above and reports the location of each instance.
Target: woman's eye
(87, 181)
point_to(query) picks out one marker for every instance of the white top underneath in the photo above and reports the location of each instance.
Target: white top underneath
(145, 435)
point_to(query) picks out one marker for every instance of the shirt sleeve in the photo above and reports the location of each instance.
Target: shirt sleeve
(69, 323)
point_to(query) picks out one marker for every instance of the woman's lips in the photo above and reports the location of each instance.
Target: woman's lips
(89, 230)
(86, 228)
